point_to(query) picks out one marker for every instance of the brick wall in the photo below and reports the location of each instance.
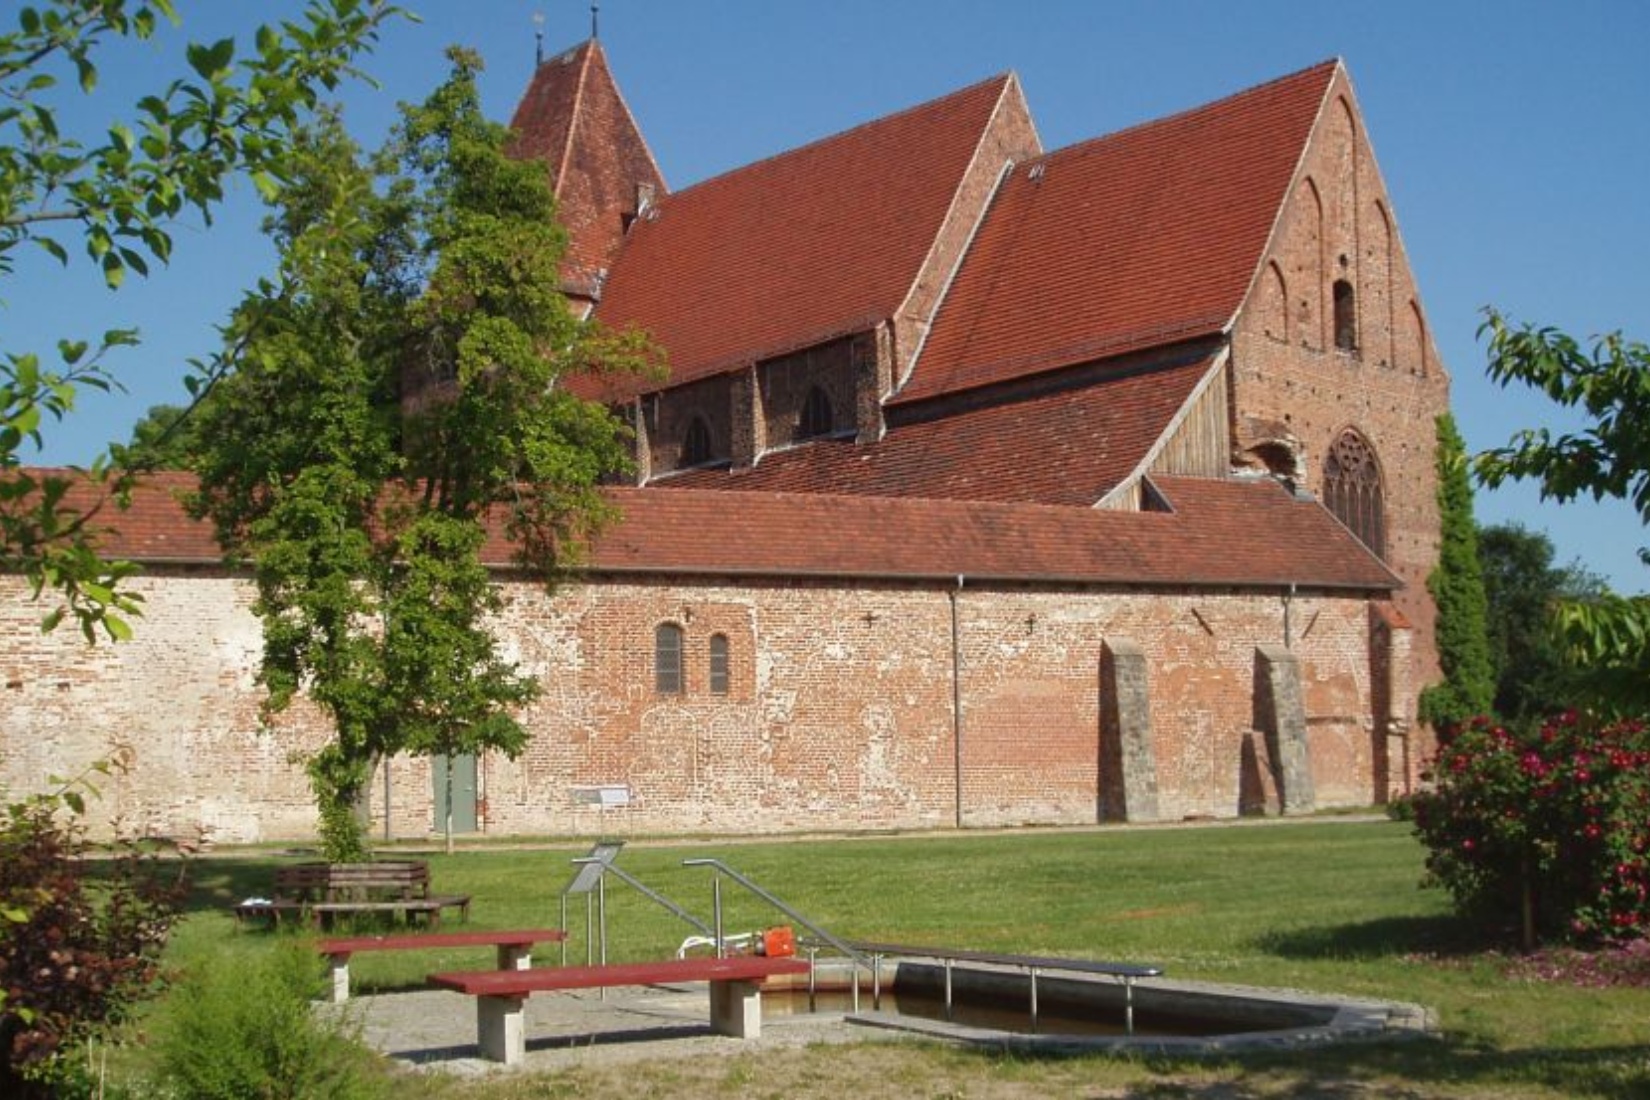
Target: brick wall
(838, 713)
(1291, 383)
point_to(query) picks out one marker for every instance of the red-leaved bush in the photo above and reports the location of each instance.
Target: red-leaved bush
(1546, 831)
(79, 936)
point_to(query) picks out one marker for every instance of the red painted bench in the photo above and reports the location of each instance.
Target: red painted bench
(735, 993)
(515, 948)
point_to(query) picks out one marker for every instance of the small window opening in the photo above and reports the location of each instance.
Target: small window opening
(1346, 317)
(816, 415)
(696, 443)
(718, 664)
(667, 659)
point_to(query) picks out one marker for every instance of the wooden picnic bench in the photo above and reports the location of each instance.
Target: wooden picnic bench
(735, 993)
(321, 891)
(515, 948)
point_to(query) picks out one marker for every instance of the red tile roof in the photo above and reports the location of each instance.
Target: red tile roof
(1131, 240)
(690, 533)
(1068, 446)
(776, 534)
(811, 244)
(574, 119)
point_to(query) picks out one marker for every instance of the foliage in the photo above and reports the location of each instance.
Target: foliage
(384, 407)
(77, 947)
(1457, 588)
(116, 199)
(1523, 587)
(1549, 828)
(249, 1030)
(1607, 637)
(162, 440)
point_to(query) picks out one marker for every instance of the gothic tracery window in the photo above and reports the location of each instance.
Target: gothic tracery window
(1352, 489)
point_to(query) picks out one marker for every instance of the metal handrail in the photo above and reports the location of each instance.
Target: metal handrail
(841, 945)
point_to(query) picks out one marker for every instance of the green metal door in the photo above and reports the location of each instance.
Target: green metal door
(462, 789)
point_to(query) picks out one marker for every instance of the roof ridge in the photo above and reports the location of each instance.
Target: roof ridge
(839, 135)
(1162, 120)
(583, 50)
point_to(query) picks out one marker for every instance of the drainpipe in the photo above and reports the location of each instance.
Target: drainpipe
(956, 702)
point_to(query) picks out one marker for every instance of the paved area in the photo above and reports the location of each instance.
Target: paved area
(436, 1029)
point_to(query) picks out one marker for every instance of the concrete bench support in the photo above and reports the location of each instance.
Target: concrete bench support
(501, 995)
(515, 949)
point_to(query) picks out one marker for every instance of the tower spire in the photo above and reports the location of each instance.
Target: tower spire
(538, 39)
(595, 12)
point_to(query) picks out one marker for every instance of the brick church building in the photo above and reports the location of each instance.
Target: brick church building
(988, 485)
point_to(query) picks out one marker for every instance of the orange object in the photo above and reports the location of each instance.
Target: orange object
(778, 943)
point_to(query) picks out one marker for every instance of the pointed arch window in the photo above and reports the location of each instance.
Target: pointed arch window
(817, 417)
(667, 659)
(1352, 489)
(1346, 317)
(696, 443)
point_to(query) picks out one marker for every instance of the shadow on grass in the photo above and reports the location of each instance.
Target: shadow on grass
(1386, 937)
(1389, 1069)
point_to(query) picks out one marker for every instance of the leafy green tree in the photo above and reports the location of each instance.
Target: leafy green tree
(116, 199)
(385, 406)
(1523, 586)
(1457, 587)
(1607, 638)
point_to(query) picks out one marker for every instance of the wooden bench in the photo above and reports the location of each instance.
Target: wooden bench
(320, 891)
(515, 948)
(735, 993)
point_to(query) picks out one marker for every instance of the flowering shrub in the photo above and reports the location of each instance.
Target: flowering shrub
(1548, 830)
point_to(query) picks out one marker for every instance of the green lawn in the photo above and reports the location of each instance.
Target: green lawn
(1326, 906)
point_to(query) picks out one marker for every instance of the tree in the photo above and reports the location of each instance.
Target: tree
(386, 405)
(116, 199)
(1522, 587)
(1457, 588)
(1608, 637)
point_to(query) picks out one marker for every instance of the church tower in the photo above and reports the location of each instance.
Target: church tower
(574, 119)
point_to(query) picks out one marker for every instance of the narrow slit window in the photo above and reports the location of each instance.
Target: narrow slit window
(817, 418)
(696, 443)
(718, 664)
(667, 659)
(1346, 317)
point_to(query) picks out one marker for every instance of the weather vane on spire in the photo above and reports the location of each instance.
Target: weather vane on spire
(538, 38)
(595, 11)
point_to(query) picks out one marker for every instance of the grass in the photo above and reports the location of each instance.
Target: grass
(1326, 906)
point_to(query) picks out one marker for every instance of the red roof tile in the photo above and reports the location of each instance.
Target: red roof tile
(574, 119)
(690, 533)
(814, 243)
(1068, 446)
(774, 534)
(1136, 239)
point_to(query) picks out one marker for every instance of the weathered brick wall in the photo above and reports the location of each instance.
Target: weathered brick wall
(672, 412)
(786, 382)
(1291, 382)
(838, 715)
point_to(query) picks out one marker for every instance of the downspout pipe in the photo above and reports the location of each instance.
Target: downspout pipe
(956, 702)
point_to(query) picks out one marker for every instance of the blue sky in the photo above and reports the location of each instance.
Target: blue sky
(1514, 138)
